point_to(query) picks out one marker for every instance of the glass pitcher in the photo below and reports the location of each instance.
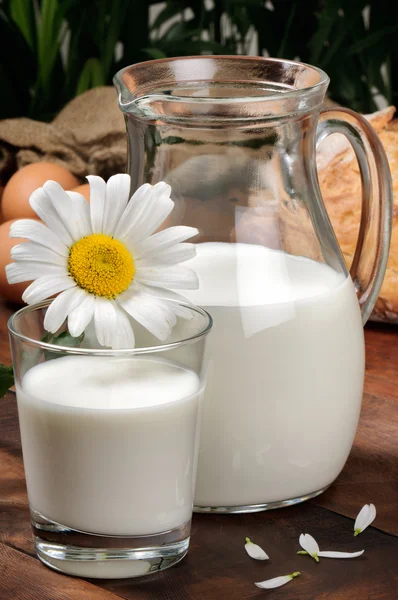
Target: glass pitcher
(235, 137)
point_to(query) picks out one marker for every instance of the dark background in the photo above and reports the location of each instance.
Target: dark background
(52, 50)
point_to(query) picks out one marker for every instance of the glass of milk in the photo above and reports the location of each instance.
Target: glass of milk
(110, 441)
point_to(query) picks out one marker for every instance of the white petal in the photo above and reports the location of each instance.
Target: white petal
(180, 311)
(162, 293)
(163, 239)
(162, 205)
(170, 277)
(331, 554)
(42, 204)
(170, 298)
(124, 335)
(372, 515)
(135, 211)
(255, 551)
(46, 286)
(70, 211)
(146, 211)
(150, 312)
(30, 251)
(308, 544)
(117, 196)
(28, 270)
(61, 306)
(39, 233)
(81, 213)
(276, 582)
(81, 316)
(97, 202)
(365, 517)
(178, 253)
(105, 321)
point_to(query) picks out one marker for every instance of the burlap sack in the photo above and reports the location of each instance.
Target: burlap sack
(87, 137)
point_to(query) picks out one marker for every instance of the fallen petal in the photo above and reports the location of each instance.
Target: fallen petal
(255, 551)
(365, 517)
(328, 554)
(275, 582)
(309, 544)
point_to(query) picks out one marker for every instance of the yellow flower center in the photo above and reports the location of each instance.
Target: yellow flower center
(101, 265)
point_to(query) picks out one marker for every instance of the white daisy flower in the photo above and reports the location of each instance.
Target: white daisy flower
(104, 259)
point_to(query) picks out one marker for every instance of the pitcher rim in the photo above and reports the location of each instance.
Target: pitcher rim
(292, 93)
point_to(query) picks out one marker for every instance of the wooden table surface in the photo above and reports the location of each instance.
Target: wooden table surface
(217, 567)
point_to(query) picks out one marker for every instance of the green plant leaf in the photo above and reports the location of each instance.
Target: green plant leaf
(181, 30)
(246, 2)
(6, 379)
(191, 47)
(326, 21)
(137, 12)
(23, 15)
(92, 76)
(113, 26)
(61, 339)
(289, 22)
(171, 9)
(48, 41)
(373, 39)
(154, 53)
(240, 17)
(15, 96)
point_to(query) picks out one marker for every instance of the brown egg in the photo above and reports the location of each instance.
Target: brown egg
(15, 200)
(84, 190)
(9, 292)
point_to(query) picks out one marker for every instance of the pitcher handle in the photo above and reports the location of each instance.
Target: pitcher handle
(371, 253)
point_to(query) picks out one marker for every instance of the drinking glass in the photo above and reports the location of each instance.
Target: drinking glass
(110, 440)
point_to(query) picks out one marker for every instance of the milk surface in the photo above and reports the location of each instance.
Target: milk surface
(108, 443)
(285, 378)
